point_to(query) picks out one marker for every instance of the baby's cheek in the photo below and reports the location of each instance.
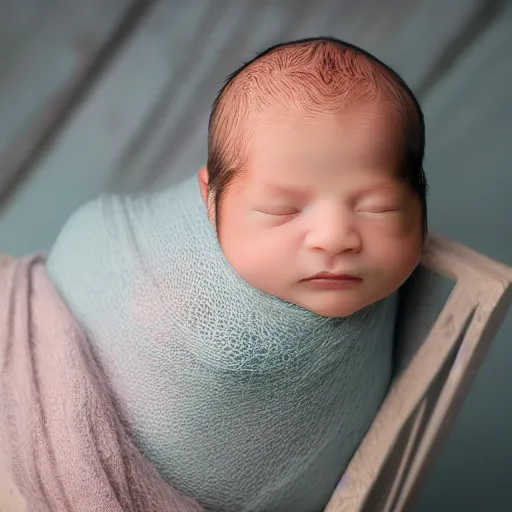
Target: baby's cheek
(401, 232)
(256, 260)
(402, 257)
(411, 220)
(396, 249)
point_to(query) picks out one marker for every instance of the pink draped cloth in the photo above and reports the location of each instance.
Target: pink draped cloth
(61, 436)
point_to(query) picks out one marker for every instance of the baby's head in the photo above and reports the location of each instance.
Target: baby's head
(315, 153)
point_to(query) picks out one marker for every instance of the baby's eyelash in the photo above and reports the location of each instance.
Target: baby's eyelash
(376, 210)
(287, 214)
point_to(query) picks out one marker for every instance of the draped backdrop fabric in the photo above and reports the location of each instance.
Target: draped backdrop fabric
(61, 438)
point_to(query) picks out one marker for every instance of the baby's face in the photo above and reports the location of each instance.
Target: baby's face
(324, 195)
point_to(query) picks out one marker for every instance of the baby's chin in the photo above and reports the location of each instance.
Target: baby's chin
(326, 303)
(330, 304)
(331, 309)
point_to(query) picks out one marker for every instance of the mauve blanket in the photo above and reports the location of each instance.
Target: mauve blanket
(61, 436)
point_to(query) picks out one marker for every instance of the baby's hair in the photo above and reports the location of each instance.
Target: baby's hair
(311, 76)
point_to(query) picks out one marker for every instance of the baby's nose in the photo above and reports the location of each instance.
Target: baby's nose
(334, 237)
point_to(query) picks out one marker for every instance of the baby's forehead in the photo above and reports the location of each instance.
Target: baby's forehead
(298, 86)
(374, 129)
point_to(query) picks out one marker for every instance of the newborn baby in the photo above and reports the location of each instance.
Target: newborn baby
(245, 318)
(315, 165)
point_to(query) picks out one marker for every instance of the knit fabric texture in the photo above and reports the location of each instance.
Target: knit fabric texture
(241, 400)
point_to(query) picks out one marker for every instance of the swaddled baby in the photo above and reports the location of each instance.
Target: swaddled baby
(245, 318)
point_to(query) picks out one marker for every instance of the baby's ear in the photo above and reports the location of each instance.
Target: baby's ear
(202, 176)
(206, 194)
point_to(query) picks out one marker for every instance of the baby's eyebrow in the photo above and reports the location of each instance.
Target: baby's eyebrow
(383, 187)
(394, 185)
(285, 190)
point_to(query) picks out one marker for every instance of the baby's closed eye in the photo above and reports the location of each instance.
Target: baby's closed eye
(381, 204)
(279, 211)
(379, 208)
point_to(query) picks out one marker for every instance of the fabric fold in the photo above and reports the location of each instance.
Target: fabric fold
(61, 436)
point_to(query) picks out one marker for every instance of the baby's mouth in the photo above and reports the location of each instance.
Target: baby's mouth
(331, 276)
(325, 281)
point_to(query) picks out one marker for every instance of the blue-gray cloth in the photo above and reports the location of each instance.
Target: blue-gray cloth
(240, 399)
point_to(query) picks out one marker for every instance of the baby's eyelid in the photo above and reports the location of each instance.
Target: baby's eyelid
(280, 213)
(382, 204)
(378, 209)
